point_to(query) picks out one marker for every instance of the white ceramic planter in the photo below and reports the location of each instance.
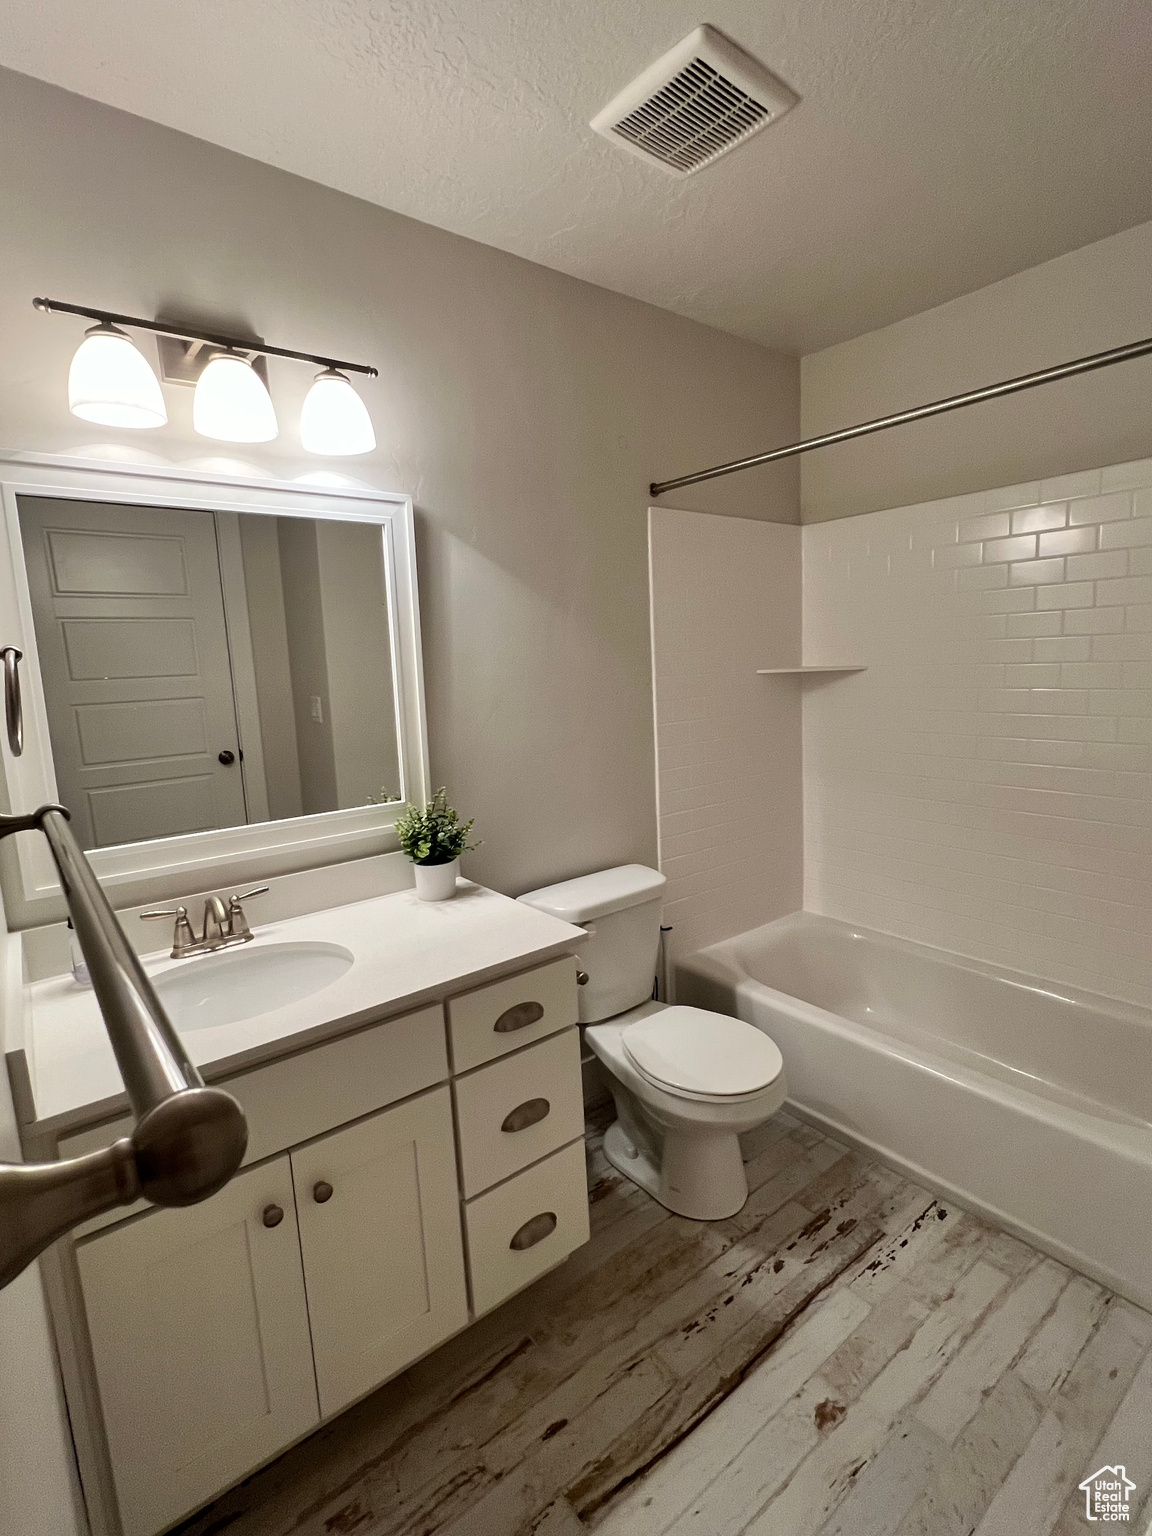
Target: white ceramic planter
(436, 882)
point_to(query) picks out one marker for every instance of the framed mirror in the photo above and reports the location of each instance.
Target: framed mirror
(213, 669)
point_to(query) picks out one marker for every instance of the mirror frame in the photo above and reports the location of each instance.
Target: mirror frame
(327, 837)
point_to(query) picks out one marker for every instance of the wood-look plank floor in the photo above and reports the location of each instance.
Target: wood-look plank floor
(848, 1356)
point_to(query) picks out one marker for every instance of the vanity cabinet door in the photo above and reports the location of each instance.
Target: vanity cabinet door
(383, 1253)
(200, 1342)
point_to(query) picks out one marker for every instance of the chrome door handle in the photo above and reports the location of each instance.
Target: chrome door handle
(13, 708)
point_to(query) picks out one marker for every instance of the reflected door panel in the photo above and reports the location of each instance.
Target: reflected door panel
(133, 646)
(202, 670)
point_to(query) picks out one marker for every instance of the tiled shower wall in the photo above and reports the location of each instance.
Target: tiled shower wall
(986, 785)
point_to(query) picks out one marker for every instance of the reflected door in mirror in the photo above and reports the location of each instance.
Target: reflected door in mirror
(203, 669)
(133, 646)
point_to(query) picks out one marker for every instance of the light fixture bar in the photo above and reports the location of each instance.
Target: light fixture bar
(917, 413)
(233, 343)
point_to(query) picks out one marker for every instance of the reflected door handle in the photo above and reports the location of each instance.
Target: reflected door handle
(227, 758)
(13, 709)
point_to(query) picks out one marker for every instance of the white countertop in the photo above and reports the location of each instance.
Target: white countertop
(405, 953)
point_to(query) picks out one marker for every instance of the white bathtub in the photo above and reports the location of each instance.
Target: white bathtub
(1028, 1102)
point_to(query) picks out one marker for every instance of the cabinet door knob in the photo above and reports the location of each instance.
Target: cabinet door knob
(518, 1017)
(533, 1231)
(531, 1112)
(321, 1191)
(226, 757)
(581, 978)
(272, 1216)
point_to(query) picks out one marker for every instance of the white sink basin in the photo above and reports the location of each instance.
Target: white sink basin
(241, 983)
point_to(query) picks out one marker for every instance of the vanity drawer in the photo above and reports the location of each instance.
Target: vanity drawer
(519, 1109)
(522, 1228)
(302, 1096)
(508, 1014)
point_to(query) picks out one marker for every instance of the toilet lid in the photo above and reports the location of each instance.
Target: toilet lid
(695, 1051)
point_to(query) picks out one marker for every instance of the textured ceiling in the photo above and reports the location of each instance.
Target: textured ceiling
(937, 147)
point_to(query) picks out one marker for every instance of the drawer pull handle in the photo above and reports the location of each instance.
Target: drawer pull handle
(533, 1231)
(531, 1112)
(518, 1017)
(272, 1216)
(321, 1191)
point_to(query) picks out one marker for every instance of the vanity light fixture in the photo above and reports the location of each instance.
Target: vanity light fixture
(334, 420)
(111, 377)
(111, 382)
(232, 403)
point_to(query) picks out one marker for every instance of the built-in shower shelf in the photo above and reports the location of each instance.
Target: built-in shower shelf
(805, 671)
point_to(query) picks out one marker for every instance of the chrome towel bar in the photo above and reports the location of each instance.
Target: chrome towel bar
(188, 1140)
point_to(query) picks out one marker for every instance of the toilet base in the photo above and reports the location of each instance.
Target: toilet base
(693, 1174)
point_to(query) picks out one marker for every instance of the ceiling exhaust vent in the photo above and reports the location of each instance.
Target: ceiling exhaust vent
(693, 105)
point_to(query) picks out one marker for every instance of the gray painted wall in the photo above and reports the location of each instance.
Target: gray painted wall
(356, 645)
(264, 589)
(525, 411)
(307, 661)
(1091, 299)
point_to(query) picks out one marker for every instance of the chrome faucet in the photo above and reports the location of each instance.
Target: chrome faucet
(222, 926)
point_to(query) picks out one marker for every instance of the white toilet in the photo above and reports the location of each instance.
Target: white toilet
(686, 1082)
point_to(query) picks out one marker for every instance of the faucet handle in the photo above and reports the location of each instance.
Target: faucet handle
(237, 921)
(182, 937)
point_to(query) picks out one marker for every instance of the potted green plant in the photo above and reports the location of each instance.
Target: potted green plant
(434, 838)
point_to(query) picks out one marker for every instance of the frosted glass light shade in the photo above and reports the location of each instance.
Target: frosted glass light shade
(334, 421)
(232, 404)
(110, 382)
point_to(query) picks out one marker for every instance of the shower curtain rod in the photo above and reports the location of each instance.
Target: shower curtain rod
(918, 413)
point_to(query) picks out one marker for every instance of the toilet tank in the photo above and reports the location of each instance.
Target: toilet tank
(620, 908)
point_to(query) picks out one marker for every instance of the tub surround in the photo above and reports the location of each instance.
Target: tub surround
(1021, 1099)
(415, 1156)
(986, 785)
(725, 600)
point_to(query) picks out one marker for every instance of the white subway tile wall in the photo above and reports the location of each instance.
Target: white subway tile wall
(725, 599)
(986, 785)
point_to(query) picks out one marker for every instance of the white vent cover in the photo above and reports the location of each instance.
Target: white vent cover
(693, 105)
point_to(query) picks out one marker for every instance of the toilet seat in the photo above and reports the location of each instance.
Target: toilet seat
(695, 1054)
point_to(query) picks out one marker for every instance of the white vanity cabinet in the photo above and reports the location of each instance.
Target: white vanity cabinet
(520, 1124)
(200, 1344)
(380, 1235)
(401, 1179)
